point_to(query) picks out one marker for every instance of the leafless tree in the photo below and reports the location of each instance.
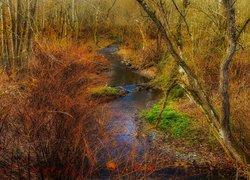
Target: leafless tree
(17, 32)
(220, 127)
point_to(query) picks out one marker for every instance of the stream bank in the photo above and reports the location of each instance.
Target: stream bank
(132, 136)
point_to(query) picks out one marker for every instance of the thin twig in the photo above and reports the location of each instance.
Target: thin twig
(114, 2)
(61, 112)
(243, 28)
(183, 16)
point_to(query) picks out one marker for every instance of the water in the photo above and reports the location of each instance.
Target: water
(125, 109)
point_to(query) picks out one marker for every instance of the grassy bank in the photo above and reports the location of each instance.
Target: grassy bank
(178, 124)
(106, 92)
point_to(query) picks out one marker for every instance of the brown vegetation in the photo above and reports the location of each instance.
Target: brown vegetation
(48, 120)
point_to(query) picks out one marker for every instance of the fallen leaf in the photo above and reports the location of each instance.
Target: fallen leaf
(111, 165)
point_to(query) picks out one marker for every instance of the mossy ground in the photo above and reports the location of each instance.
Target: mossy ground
(104, 91)
(179, 125)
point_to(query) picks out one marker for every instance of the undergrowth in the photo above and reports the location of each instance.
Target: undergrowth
(48, 121)
(179, 125)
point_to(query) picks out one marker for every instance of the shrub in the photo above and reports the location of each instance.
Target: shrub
(51, 123)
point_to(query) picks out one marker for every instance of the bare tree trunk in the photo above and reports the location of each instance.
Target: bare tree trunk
(78, 28)
(13, 33)
(24, 34)
(73, 11)
(96, 26)
(66, 22)
(158, 41)
(43, 16)
(144, 39)
(5, 48)
(31, 29)
(18, 31)
(2, 34)
(224, 80)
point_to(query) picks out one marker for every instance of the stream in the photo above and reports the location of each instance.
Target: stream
(125, 144)
(126, 108)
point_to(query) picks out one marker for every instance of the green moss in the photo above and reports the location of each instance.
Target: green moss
(179, 125)
(104, 91)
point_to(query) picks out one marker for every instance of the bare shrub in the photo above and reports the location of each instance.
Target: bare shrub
(49, 123)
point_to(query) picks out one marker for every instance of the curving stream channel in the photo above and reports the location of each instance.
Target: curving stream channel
(126, 109)
(125, 144)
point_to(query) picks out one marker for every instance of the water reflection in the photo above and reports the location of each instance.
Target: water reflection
(125, 109)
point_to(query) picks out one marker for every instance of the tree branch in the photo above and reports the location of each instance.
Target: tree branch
(243, 28)
(183, 16)
(111, 8)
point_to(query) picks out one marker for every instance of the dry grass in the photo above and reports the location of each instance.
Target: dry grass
(240, 96)
(47, 118)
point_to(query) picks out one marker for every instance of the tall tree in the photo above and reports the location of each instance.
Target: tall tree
(5, 48)
(31, 28)
(19, 37)
(13, 33)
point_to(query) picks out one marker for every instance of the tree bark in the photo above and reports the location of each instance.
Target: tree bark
(224, 79)
(31, 30)
(13, 33)
(5, 48)
(73, 11)
(24, 34)
(18, 31)
(96, 25)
